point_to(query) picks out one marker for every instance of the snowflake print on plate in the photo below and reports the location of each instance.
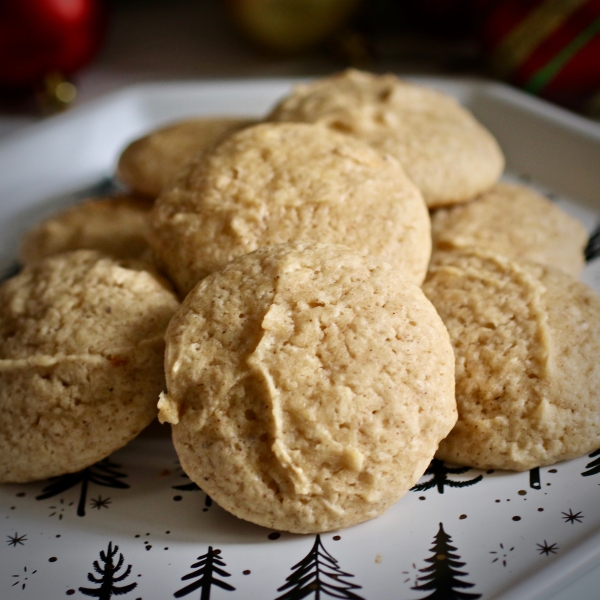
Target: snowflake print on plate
(571, 517)
(16, 540)
(547, 548)
(502, 554)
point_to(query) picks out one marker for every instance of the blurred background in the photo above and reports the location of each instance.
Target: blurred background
(57, 53)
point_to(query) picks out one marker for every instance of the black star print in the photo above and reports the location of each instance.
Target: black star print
(100, 502)
(192, 487)
(571, 517)
(16, 539)
(22, 579)
(412, 574)
(60, 509)
(547, 549)
(504, 552)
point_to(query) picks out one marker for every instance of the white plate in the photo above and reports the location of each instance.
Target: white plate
(513, 535)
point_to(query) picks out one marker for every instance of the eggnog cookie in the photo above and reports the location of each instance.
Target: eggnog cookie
(282, 182)
(114, 225)
(448, 154)
(527, 340)
(81, 353)
(149, 163)
(514, 221)
(308, 386)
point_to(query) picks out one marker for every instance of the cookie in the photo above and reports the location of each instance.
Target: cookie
(148, 164)
(308, 386)
(446, 152)
(527, 340)
(282, 182)
(114, 225)
(514, 221)
(81, 353)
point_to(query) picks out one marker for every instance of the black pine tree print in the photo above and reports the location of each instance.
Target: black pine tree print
(534, 479)
(592, 250)
(442, 576)
(593, 468)
(108, 576)
(103, 473)
(192, 487)
(440, 472)
(206, 568)
(318, 573)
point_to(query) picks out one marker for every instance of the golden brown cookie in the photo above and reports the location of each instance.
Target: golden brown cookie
(514, 221)
(81, 353)
(113, 225)
(308, 386)
(448, 154)
(149, 163)
(282, 182)
(527, 340)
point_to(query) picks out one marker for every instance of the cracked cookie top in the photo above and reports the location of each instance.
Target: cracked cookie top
(308, 386)
(81, 352)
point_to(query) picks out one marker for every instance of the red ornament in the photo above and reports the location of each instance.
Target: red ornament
(39, 37)
(546, 47)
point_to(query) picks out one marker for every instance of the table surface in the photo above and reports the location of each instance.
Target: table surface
(192, 40)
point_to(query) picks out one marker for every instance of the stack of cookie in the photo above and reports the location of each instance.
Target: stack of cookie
(310, 378)
(502, 274)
